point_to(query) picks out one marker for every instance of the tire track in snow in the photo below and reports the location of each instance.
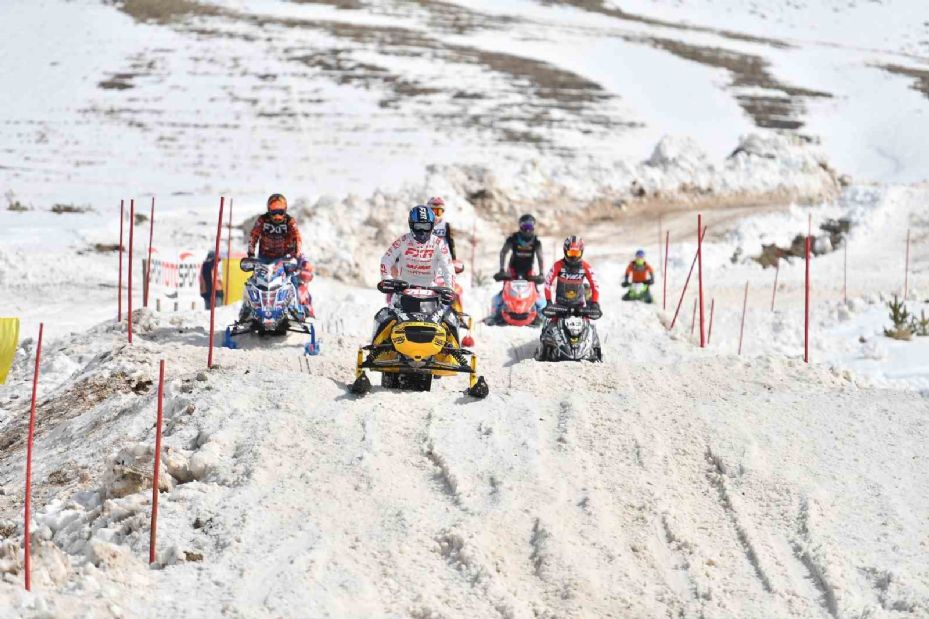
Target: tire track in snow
(716, 476)
(816, 569)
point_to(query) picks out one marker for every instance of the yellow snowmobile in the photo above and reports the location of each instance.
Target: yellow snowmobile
(416, 340)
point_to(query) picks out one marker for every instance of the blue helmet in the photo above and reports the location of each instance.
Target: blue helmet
(640, 253)
(422, 221)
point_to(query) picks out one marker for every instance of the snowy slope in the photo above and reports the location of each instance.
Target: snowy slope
(697, 485)
(668, 481)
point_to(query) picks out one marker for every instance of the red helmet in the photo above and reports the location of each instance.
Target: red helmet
(437, 205)
(277, 207)
(573, 249)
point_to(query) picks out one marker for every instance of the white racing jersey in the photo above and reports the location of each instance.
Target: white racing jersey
(420, 264)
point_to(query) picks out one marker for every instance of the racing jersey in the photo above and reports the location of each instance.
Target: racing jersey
(569, 283)
(524, 253)
(420, 264)
(640, 273)
(274, 240)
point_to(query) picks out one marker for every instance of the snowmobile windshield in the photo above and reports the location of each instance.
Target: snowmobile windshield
(419, 302)
(520, 289)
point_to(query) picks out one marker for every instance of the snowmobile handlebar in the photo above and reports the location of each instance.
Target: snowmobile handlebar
(290, 264)
(506, 277)
(555, 311)
(391, 286)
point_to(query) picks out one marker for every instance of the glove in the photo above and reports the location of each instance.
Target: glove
(537, 279)
(593, 310)
(251, 253)
(650, 282)
(625, 284)
(499, 276)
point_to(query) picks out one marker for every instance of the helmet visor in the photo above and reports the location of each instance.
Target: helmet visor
(527, 226)
(277, 216)
(573, 252)
(423, 226)
(438, 211)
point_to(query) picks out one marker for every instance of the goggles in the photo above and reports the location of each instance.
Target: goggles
(527, 226)
(277, 215)
(438, 210)
(573, 253)
(423, 226)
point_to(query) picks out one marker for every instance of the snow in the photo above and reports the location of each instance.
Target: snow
(668, 481)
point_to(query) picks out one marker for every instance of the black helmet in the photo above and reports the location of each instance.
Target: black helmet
(527, 226)
(422, 221)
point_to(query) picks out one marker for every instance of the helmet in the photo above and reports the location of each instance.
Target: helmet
(573, 249)
(527, 226)
(277, 207)
(422, 221)
(640, 256)
(437, 205)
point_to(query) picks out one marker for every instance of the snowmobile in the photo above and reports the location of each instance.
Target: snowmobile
(272, 305)
(416, 340)
(569, 335)
(519, 302)
(638, 291)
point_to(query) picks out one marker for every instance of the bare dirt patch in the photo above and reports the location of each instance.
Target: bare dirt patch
(920, 76)
(165, 11)
(771, 111)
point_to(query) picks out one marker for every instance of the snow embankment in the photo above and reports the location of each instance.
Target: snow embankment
(346, 236)
(691, 484)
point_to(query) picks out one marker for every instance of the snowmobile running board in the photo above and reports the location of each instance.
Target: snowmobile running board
(311, 348)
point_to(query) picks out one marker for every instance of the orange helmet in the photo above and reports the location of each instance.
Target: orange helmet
(437, 205)
(573, 249)
(277, 207)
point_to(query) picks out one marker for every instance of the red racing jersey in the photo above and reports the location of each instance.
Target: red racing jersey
(273, 240)
(569, 283)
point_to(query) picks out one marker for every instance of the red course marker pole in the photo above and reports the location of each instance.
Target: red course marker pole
(131, 229)
(700, 277)
(158, 424)
(709, 333)
(777, 269)
(742, 328)
(119, 304)
(906, 268)
(148, 265)
(219, 233)
(806, 304)
(684, 291)
(664, 272)
(27, 547)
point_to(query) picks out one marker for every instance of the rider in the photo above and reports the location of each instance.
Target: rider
(642, 273)
(441, 228)
(275, 235)
(526, 249)
(419, 257)
(568, 276)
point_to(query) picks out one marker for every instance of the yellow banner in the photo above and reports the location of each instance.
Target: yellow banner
(234, 281)
(9, 341)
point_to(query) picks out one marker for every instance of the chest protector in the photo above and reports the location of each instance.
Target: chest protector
(569, 289)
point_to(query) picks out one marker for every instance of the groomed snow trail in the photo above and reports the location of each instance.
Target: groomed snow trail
(707, 486)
